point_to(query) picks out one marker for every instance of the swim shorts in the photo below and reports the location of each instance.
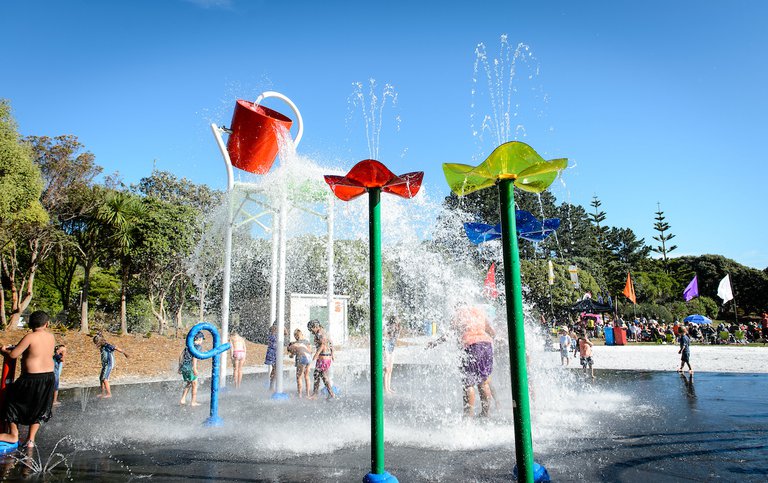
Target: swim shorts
(238, 355)
(477, 363)
(29, 399)
(323, 365)
(188, 374)
(586, 361)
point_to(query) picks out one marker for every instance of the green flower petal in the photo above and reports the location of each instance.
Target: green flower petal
(513, 160)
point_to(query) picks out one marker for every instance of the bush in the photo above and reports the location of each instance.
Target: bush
(139, 315)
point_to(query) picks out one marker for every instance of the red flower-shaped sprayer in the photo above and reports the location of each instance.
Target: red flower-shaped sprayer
(370, 173)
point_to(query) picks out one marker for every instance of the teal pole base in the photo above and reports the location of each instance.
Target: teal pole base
(279, 396)
(213, 422)
(379, 478)
(540, 473)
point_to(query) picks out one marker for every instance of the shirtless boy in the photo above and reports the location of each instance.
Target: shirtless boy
(29, 399)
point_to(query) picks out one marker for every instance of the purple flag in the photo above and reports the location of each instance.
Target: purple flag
(692, 290)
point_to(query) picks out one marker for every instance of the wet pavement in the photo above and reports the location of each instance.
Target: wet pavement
(625, 426)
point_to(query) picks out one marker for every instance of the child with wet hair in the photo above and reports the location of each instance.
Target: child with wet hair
(301, 352)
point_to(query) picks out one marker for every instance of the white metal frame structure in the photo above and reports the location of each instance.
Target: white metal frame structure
(278, 210)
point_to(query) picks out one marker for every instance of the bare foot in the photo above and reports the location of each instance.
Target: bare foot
(312, 397)
(29, 444)
(680, 370)
(194, 404)
(183, 403)
(107, 396)
(57, 403)
(690, 372)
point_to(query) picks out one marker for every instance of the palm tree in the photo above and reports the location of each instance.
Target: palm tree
(120, 213)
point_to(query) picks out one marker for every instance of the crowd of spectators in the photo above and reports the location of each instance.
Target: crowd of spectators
(643, 329)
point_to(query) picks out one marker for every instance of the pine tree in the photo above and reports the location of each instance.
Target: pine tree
(662, 227)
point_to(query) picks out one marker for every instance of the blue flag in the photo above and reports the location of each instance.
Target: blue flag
(692, 290)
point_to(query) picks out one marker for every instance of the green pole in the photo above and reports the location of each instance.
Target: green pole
(513, 290)
(377, 369)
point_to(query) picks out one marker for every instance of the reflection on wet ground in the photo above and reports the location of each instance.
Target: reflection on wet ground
(625, 426)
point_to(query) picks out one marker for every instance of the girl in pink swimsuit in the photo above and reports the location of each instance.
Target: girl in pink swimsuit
(238, 357)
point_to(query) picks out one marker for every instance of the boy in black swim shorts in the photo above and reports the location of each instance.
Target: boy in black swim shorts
(29, 399)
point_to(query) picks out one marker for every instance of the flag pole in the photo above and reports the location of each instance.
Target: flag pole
(735, 312)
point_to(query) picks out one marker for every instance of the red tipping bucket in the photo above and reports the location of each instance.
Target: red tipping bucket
(252, 145)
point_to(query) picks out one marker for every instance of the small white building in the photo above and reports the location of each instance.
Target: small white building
(305, 307)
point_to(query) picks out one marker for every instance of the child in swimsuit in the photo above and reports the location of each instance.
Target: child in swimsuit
(188, 371)
(58, 363)
(106, 351)
(29, 398)
(585, 351)
(302, 353)
(390, 341)
(271, 357)
(323, 358)
(238, 357)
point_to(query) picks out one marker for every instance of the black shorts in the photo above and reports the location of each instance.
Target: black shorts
(29, 399)
(686, 357)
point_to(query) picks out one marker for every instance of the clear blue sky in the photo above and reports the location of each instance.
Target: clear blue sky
(655, 101)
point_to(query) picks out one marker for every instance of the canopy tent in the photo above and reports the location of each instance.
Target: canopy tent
(591, 306)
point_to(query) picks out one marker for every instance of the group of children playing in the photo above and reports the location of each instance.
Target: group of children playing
(300, 350)
(583, 346)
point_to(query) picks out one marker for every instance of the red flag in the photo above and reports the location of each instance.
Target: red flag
(629, 290)
(489, 289)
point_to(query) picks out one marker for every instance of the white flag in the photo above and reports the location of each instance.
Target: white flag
(724, 289)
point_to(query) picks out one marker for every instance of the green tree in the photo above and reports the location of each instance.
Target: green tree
(22, 218)
(120, 214)
(663, 237)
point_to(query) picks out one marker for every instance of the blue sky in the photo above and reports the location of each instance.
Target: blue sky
(652, 101)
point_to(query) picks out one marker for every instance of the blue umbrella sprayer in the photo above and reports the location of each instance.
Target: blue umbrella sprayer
(215, 354)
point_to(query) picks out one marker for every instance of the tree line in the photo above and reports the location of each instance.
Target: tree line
(147, 257)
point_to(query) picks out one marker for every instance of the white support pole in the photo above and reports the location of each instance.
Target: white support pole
(274, 267)
(227, 250)
(281, 294)
(329, 220)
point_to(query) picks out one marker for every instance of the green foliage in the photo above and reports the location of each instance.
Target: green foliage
(20, 181)
(140, 319)
(663, 237)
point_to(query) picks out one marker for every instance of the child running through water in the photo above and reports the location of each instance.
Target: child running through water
(685, 350)
(106, 351)
(238, 358)
(323, 358)
(59, 352)
(28, 400)
(301, 352)
(584, 347)
(271, 358)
